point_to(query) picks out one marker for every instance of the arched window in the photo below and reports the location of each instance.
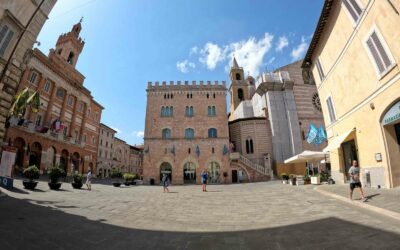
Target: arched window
(70, 58)
(162, 111)
(166, 133)
(249, 146)
(171, 111)
(189, 133)
(240, 94)
(189, 111)
(238, 76)
(212, 133)
(212, 111)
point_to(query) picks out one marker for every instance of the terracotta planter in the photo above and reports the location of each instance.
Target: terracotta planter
(29, 184)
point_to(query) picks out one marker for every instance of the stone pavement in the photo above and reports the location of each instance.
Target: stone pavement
(244, 216)
(380, 200)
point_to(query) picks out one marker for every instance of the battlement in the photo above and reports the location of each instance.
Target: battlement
(65, 36)
(185, 85)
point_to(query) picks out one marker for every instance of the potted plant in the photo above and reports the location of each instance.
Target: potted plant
(307, 179)
(77, 181)
(128, 179)
(316, 179)
(292, 178)
(55, 173)
(116, 175)
(31, 173)
(285, 178)
(299, 180)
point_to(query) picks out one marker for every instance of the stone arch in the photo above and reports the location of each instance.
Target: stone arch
(35, 154)
(75, 161)
(64, 159)
(247, 176)
(390, 126)
(19, 143)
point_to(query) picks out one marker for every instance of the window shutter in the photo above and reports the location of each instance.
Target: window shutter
(332, 115)
(375, 55)
(356, 7)
(381, 50)
(320, 70)
(6, 42)
(351, 10)
(3, 32)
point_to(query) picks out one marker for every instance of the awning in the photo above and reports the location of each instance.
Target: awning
(307, 156)
(337, 141)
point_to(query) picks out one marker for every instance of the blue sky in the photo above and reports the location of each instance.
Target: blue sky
(131, 42)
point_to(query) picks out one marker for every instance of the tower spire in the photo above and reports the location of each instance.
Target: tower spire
(234, 63)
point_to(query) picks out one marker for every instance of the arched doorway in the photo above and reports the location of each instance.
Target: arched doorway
(91, 166)
(166, 168)
(189, 173)
(391, 128)
(35, 154)
(51, 156)
(214, 171)
(100, 174)
(75, 161)
(19, 143)
(64, 159)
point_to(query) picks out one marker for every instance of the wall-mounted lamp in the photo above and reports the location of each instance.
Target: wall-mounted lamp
(372, 105)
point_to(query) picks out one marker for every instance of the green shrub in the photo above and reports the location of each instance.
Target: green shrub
(78, 178)
(31, 173)
(115, 173)
(284, 176)
(55, 173)
(128, 177)
(307, 178)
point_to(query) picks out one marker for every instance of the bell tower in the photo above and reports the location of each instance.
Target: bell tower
(69, 46)
(238, 88)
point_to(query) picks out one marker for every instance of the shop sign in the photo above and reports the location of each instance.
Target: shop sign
(392, 115)
(6, 165)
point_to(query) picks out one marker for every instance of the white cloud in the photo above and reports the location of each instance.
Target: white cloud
(282, 43)
(194, 50)
(184, 66)
(211, 55)
(250, 54)
(139, 134)
(271, 60)
(299, 51)
(116, 129)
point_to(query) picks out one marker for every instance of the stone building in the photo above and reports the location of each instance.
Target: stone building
(121, 156)
(66, 129)
(186, 131)
(354, 55)
(270, 116)
(136, 160)
(105, 160)
(14, 19)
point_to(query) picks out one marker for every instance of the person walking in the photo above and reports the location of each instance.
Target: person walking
(165, 182)
(355, 182)
(89, 179)
(204, 178)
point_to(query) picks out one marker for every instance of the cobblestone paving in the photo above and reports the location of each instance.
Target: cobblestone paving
(246, 216)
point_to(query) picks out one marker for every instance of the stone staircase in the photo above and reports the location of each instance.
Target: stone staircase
(236, 156)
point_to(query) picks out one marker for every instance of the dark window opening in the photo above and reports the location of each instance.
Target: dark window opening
(397, 129)
(240, 94)
(238, 76)
(212, 150)
(70, 58)
(189, 151)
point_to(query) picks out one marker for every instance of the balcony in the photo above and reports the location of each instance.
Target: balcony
(31, 128)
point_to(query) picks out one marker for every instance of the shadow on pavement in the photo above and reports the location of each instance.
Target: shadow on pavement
(43, 227)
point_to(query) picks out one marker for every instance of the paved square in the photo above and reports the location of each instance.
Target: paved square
(246, 216)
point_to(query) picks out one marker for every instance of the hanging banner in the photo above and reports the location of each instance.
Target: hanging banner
(6, 165)
(316, 136)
